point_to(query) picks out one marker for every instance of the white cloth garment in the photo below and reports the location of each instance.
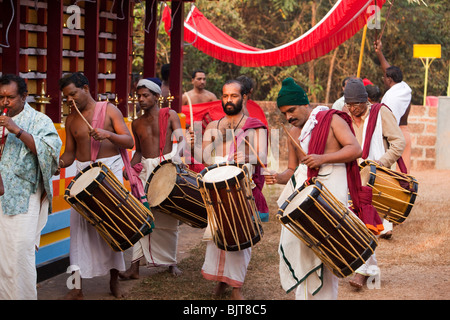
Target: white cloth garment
(88, 250)
(17, 261)
(398, 99)
(159, 248)
(225, 266)
(300, 268)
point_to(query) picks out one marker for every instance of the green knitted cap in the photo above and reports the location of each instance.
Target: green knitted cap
(291, 94)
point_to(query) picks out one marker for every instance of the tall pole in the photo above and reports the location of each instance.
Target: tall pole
(361, 53)
(176, 54)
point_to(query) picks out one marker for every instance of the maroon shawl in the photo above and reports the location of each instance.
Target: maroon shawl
(257, 177)
(372, 122)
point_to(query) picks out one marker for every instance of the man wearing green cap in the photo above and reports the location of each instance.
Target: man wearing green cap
(329, 143)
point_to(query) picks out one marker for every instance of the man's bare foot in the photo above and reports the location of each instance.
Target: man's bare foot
(114, 284)
(131, 273)
(236, 294)
(220, 288)
(74, 294)
(175, 271)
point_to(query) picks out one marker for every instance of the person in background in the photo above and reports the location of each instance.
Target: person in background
(398, 98)
(198, 94)
(385, 148)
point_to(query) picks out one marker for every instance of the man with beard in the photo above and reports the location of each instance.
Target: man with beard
(198, 94)
(225, 139)
(153, 133)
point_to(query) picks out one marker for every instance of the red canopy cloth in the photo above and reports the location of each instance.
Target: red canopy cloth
(215, 111)
(343, 21)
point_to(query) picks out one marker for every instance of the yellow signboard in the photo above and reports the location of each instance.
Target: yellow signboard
(427, 51)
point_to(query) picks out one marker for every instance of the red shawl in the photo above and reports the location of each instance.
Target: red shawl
(361, 195)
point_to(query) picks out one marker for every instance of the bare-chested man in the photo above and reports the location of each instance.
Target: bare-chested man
(320, 129)
(198, 94)
(88, 250)
(226, 267)
(160, 247)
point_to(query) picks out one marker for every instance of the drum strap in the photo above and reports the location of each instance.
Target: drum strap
(98, 121)
(374, 110)
(163, 124)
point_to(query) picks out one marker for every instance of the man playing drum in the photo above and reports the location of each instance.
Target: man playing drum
(385, 147)
(153, 133)
(229, 268)
(300, 269)
(87, 142)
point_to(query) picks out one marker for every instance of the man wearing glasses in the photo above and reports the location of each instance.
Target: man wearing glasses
(386, 145)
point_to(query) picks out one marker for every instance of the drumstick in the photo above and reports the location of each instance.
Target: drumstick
(293, 140)
(254, 151)
(82, 117)
(191, 128)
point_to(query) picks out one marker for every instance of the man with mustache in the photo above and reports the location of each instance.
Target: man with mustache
(327, 139)
(29, 152)
(88, 250)
(198, 94)
(221, 139)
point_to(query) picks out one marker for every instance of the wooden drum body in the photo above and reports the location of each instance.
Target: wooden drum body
(174, 191)
(104, 202)
(394, 193)
(232, 215)
(331, 230)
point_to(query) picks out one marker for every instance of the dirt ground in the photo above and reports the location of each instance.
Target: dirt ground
(414, 264)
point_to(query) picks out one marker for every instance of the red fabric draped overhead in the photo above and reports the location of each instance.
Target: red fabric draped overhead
(343, 21)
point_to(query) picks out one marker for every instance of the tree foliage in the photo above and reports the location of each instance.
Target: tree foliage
(280, 21)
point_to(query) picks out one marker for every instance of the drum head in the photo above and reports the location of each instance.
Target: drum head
(84, 180)
(163, 180)
(365, 176)
(298, 199)
(221, 173)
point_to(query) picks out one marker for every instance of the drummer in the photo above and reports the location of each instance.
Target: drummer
(226, 267)
(153, 132)
(327, 152)
(88, 250)
(386, 147)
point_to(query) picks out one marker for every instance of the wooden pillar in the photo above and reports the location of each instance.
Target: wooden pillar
(151, 34)
(176, 53)
(91, 31)
(54, 58)
(123, 59)
(11, 39)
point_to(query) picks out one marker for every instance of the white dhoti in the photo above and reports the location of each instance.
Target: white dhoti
(159, 248)
(225, 266)
(300, 268)
(21, 233)
(88, 250)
